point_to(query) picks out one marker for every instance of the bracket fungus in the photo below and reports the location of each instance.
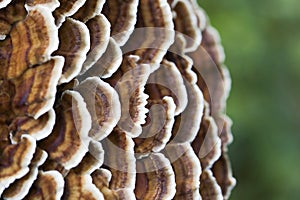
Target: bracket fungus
(109, 99)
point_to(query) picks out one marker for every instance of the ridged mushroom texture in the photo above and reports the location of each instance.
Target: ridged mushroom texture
(112, 100)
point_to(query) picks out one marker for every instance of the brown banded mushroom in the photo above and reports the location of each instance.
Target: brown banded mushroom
(187, 170)
(15, 160)
(66, 9)
(222, 172)
(119, 159)
(99, 29)
(122, 17)
(108, 63)
(155, 178)
(207, 143)
(101, 178)
(167, 81)
(129, 81)
(9, 15)
(75, 35)
(209, 190)
(185, 23)
(109, 99)
(89, 10)
(80, 186)
(158, 131)
(48, 185)
(38, 128)
(32, 42)
(103, 105)
(27, 99)
(20, 188)
(153, 35)
(68, 142)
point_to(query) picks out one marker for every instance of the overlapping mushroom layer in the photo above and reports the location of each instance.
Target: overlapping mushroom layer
(112, 100)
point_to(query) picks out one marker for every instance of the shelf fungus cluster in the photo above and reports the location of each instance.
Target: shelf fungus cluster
(112, 100)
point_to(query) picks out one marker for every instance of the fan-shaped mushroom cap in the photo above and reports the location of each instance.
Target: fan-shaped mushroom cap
(157, 132)
(187, 124)
(103, 105)
(177, 55)
(48, 185)
(122, 16)
(222, 172)
(187, 170)
(77, 82)
(32, 42)
(167, 81)
(119, 158)
(201, 16)
(108, 63)
(66, 9)
(129, 82)
(101, 179)
(99, 29)
(68, 142)
(226, 135)
(10, 14)
(28, 99)
(37, 128)
(49, 4)
(80, 186)
(207, 144)
(20, 188)
(208, 70)
(185, 22)
(92, 160)
(74, 45)
(209, 189)
(90, 9)
(153, 35)
(155, 178)
(15, 159)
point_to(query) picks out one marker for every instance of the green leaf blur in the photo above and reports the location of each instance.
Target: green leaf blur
(262, 46)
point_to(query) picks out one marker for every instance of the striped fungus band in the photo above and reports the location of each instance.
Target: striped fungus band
(109, 99)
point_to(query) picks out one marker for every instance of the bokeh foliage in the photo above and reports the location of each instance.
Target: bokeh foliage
(262, 45)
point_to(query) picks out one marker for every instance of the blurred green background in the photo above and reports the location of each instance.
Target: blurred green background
(262, 46)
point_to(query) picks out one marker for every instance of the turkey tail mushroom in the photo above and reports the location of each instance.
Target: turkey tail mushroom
(112, 99)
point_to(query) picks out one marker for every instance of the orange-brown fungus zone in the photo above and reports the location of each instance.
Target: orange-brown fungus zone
(112, 99)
